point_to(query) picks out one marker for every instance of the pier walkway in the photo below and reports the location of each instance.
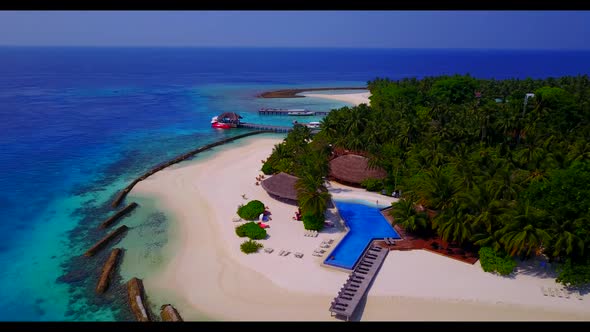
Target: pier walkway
(266, 127)
(274, 111)
(357, 285)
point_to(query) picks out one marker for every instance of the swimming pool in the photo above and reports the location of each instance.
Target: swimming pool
(365, 223)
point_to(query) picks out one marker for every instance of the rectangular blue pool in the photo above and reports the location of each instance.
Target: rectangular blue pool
(366, 223)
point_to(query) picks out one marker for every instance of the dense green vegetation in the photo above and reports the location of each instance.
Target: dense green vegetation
(252, 230)
(249, 246)
(492, 261)
(307, 159)
(313, 221)
(492, 170)
(372, 184)
(251, 211)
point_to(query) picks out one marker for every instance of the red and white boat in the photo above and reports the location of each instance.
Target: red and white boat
(228, 120)
(219, 125)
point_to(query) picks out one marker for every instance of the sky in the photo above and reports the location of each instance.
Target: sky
(357, 29)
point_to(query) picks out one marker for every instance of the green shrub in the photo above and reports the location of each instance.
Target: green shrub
(251, 211)
(268, 169)
(372, 184)
(491, 262)
(249, 247)
(313, 222)
(252, 230)
(574, 274)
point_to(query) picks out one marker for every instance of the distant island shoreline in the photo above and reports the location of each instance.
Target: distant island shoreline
(293, 93)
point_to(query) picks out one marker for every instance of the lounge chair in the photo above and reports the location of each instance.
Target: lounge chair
(545, 291)
(566, 293)
(268, 250)
(286, 253)
(281, 252)
(298, 255)
(579, 295)
(552, 291)
(237, 219)
(330, 241)
(560, 292)
(324, 246)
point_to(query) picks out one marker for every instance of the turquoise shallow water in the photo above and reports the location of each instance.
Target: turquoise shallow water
(78, 124)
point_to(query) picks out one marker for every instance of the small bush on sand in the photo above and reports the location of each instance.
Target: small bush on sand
(249, 247)
(492, 262)
(252, 230)
(251, 211)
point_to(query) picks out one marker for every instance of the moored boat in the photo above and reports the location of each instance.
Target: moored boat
(226, 120)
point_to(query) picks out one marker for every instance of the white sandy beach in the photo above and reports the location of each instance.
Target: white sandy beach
(209, 274)
(353, 98)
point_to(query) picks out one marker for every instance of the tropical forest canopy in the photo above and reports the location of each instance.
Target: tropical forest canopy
(493, 170)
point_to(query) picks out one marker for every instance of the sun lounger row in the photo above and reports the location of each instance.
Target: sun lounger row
(389, 241)
(310, 233)
(283, 252)
(318, 252)
(560, 292)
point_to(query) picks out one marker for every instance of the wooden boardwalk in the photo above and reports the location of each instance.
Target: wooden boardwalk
(278, 129)
(274, 111)
(357, 285)
(431, 243)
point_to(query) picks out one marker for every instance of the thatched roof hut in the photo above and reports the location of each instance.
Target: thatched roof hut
(229, 117)
(354, 169)
(281, 186)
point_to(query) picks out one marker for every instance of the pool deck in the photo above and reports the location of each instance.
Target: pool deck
(412, 242)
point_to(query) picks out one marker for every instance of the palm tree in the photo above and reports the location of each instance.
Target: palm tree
(482, 206)
(312, 195)
(488, 239)
(453, 225)
(521, 235)
(405, 214)
(438, 188)
(565, 240)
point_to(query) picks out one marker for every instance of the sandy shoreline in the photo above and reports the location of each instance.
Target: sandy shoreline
(353, 98)
(208, 274)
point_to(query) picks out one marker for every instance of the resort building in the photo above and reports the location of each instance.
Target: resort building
(281, 186)
(353, 169)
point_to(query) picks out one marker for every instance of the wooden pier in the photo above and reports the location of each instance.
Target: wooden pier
(357, 285)
(275, 111)
(265, 127)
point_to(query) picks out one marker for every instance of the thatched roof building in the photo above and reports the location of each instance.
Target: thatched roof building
(281, 186)
(229, 117)
(353, 169)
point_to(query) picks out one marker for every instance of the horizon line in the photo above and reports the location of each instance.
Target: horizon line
(293, 47)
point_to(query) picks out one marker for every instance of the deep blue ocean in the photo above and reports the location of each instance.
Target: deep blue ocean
(78, 124)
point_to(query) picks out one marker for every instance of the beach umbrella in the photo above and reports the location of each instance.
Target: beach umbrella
(261, 217)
